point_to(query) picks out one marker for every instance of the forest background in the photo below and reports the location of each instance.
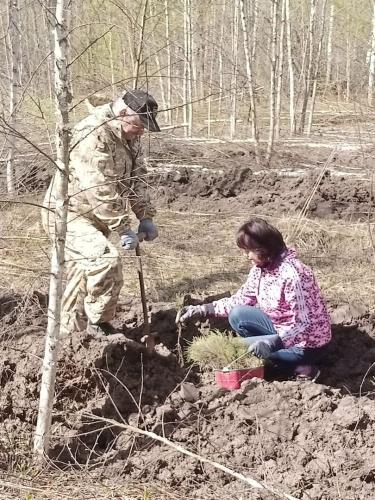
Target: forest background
(255, 72)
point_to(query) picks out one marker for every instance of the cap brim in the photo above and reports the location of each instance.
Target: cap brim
(150, 123)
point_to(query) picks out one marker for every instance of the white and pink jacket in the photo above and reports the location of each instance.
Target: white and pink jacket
(289, 294)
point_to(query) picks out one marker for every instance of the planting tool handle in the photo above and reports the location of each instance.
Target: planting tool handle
(142, 285)
(235, 360)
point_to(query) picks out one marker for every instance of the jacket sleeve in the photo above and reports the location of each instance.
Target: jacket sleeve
(296, 299)
(138, 194)
(246, 295)
(94, 169)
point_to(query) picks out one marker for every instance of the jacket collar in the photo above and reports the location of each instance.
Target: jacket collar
(105, 113)
(286, 254)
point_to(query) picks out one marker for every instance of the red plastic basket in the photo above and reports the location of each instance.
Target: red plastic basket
(232, 379)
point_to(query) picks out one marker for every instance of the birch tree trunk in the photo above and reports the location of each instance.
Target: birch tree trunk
(210, 83)
(140, 46)
(272, 101)
(348, 64)
(157, 62)
(221, 66)
(185, 91)
(315, 78)
(169, 63)
(14, 42)
(111, 65)
(371, 74)
(307, 83)
(255, 17)
(233, 90)
(188, 89)
(329, 47)
(280, 70)
(249, 72)
(209, 99)
(292, 112)
(191, 78)
(63, 98)
(301, 81)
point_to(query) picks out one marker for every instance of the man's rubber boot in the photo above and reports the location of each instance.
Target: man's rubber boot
(100, 330)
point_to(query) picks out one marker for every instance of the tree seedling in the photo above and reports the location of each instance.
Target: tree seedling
(221, 351)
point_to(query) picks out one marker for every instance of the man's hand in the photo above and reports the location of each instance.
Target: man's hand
(193, 312)
(129, 240)
(148, 228)
(265, 347)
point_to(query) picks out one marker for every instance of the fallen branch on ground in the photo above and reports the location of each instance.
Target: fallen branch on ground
(252, 482)
(119, 338)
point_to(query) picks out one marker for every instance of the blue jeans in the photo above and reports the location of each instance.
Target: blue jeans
(253, 325)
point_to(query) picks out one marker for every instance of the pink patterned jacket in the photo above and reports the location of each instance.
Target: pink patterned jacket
(289, 294)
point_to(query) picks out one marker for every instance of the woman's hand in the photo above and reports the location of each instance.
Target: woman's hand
(265, 347)
(193, 312)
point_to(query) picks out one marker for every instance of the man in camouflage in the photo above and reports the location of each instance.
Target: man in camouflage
(107, 178)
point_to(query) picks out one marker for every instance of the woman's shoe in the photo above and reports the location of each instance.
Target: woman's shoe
(307, 372)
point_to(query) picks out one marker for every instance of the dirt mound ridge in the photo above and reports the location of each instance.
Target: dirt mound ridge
(299, 437)
(336, 197)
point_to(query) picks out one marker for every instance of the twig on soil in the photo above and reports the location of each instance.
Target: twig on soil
(97, 370)
(119, 338)
(179, 348)
(251, 482)
(140, 415)
(22, 268)
(364, 378)
(6, 484)
(369, 215)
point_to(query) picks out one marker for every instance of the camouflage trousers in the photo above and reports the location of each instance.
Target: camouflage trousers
(93, 275)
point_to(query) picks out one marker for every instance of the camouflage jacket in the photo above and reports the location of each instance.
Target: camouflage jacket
(107, 174)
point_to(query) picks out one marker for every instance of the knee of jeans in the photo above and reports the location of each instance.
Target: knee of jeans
(236, 316)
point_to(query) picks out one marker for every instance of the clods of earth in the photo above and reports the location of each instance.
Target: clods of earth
(312, 441)
(309, 440)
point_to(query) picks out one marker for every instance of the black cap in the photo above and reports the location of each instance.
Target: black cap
(145, 105)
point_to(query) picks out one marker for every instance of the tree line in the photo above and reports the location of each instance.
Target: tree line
(250, 69)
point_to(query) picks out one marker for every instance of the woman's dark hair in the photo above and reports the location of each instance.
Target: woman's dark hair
(260, 237)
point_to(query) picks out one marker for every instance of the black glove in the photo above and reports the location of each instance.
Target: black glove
(148, 228)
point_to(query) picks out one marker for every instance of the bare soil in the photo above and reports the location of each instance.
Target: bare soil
(313, 441)
(224, 177)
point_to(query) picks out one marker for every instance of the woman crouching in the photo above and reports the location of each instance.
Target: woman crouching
(279, 311)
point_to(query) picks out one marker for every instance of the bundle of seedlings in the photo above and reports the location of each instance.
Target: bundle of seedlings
(219, 350)
(228, 356)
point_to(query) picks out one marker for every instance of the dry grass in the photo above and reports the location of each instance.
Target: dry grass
(24, 252)
(196, 254)
(216, 349)
(200, 256)
(81, 484)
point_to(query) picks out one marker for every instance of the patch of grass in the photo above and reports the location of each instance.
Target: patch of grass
(80, 484)
(216, 349)
(24, 248)
(185, 260)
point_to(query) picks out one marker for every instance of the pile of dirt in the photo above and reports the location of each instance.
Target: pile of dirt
(267, 192)
(225, 177)
(310, 440)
